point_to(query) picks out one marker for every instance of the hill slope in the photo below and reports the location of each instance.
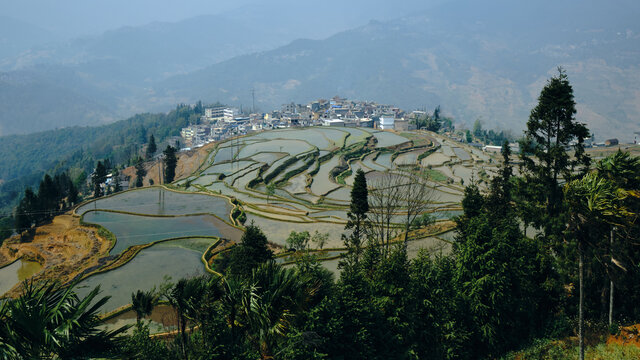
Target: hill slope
(486, 61)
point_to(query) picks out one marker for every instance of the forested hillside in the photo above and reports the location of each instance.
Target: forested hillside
(27, 157)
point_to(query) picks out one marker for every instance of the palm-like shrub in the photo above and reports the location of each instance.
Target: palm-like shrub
(48, 322)
(282, 294)
(143, 303)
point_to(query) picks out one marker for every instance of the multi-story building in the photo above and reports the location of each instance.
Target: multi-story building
(229, 114)
(214, 113)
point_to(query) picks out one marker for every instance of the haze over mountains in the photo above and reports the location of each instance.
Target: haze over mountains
(484, 60)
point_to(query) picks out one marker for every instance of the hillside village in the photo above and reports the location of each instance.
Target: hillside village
(221, 122)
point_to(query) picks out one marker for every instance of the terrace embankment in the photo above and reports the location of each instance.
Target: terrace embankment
(188, 162)
(63, 247)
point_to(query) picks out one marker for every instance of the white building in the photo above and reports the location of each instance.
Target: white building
(229, 114)
(214, 113)
(386, 122)
(333, 122)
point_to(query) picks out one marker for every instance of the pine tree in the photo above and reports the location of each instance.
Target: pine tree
(170, 163)
(140, 172)
(249, 254)
(357, 218)
(551, 129)
(98, 178)
(433, 122)
(152, 147)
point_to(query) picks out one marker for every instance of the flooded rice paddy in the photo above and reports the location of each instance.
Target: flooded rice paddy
(149, 269)
(158, 201)
(133, 230)
(17, 272)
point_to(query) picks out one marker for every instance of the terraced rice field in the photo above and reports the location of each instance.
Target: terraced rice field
(315, 189)
(305, 198)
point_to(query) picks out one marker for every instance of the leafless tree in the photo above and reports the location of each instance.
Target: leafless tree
(416, 197)
(397, 198)
(384, 204)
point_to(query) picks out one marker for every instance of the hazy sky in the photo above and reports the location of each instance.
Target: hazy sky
(71, 18)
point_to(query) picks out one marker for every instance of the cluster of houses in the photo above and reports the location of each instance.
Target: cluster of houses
(222, 122)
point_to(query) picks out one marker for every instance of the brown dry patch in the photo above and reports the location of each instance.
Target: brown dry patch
(161, 314)
(63, 247)
(431, 230)
(188, 162)
(601, 152)
(629, 335)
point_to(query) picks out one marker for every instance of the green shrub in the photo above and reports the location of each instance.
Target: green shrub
(614, 329)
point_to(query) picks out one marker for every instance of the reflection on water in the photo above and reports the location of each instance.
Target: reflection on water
(136, 230)
(147, 270)
(17, 272)
(157, 201)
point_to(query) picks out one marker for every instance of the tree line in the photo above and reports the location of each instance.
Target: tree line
(55, 195)
(434, 121)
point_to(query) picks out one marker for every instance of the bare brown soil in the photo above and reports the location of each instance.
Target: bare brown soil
(188, 162)
(63, 247)
(600, 152)
(629, 335)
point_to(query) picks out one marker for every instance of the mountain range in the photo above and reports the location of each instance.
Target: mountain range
(477, 60)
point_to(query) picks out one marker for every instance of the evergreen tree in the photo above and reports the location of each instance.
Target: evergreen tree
(116, 181)
(140, 172)
(98, 178)
(551, 129)
(499, 199)
(433, 122)
(47, 197)
(506, 281)
(251, 252)
(27, 211)
(357, 218)
(151, 147)
(477, 128)
(170, 163)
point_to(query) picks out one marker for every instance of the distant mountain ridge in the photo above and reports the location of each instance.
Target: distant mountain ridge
(117, 70)
(485, 60)
(472, 62)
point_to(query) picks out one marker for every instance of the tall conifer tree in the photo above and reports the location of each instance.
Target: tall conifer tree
(551, 129)
(170, 163)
